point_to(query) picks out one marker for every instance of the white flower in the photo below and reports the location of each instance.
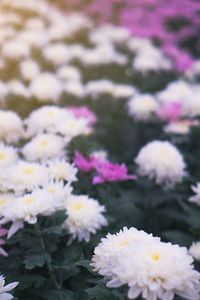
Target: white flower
(8, 156)
(45, 118)
(68, 72)
(44, 146)
(196, 198)
(72, 127)
(84, 217)
(142, 106)
(11, 129)
(34, 23)
(176, 91)
(4, 289)
(100, 154)
(16, 87)
(29, 69)
(5, 200)
(60, 169)
(28, 207)
(195, 250)
(162, 161)
(15, 49)
(181, 126)
(46, 87)
(113, 244)
(98, 87)
(156, 270)
(25, 176)
(123, 91)
(57, 53)
(74, 87)
(60, 190)
(34, 38)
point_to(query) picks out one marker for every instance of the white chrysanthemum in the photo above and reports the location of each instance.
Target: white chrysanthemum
(195, 250)
(4, 289)
(123, 91)
(113, 244)
(46, 87)
(156, 270)
(60, 190)
(176, 91)
(34, 23)
(28, 207)
(181, 126)
(162, 161)
(142, 106)
(25, 176)
(68, 72)
(191, 105)
(29, 69)
(100, 154)
(3, 90)
(5, 200)
(8, 155)
(16, 87)
(98, 87)
(72, 127)
(11, 129)
(15, 49)
(57, 53)
(60, 169)
(84, 217)
(196, 198)
(75, 87)
(45, 118)
(44, 146)
(34, 38)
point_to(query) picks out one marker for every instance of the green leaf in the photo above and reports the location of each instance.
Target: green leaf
(100, 292)
(36, 260)
(30, 280)
(192, 212)
(52, 230)
(60, 295)
(86, 264)
(178, 237)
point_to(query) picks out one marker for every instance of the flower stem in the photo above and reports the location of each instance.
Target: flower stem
(47, 263)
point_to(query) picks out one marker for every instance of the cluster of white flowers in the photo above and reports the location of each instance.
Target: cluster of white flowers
(53, 70)
(162, 161)
(36, 176)
(150, 268)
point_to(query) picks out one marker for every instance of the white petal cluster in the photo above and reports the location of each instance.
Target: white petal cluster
(162, 161)
(150, 268)
(8, 156)
(4, 289)
(194, 250)
(60, 169)
(196, 198)
(11, 127)
(142, 107)
(84, 217)
(29, 69)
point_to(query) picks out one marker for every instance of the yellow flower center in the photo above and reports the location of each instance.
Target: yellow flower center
(53, 191)
(78, 206)
(2, 156)
(50, 114)
(73, 125)
(156, 256)
(28, 171)
(124, 243)
(2, 201)
(29, 200)
(44, 143)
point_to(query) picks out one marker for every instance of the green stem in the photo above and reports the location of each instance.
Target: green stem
(108, 194)
(47, 263)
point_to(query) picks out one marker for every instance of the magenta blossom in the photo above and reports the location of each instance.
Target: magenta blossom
(83, 163)
(111, 172)
(83, 112)
(2, 242)
(170, 111)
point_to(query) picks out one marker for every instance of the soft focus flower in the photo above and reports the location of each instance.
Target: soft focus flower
(29, 69)
(110, 172)
(8, 156)
(4, 289)
(196, 198)
(194, 250)
(83, 112)
(162, 161)
(2, 242)
(60, 169)
(84, 217)
(142, 107)
(83, 163)
(149, 267)
(170, 111)
(181, 126)
(11, 129)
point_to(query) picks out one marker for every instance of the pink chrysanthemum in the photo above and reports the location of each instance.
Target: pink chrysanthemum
(83, 163)
(170, 111)
(83, 112)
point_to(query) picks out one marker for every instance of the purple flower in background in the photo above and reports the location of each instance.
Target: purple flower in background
(2, 242)
(83, 163)
(109, 172)
(83, 112)
(170, 111)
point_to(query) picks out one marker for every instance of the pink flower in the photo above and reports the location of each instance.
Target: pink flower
(170, 111)
(2, 242)
(111, 172)
(83, 112)
(83, 163)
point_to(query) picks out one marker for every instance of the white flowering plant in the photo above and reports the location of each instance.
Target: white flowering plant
(99, 172)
